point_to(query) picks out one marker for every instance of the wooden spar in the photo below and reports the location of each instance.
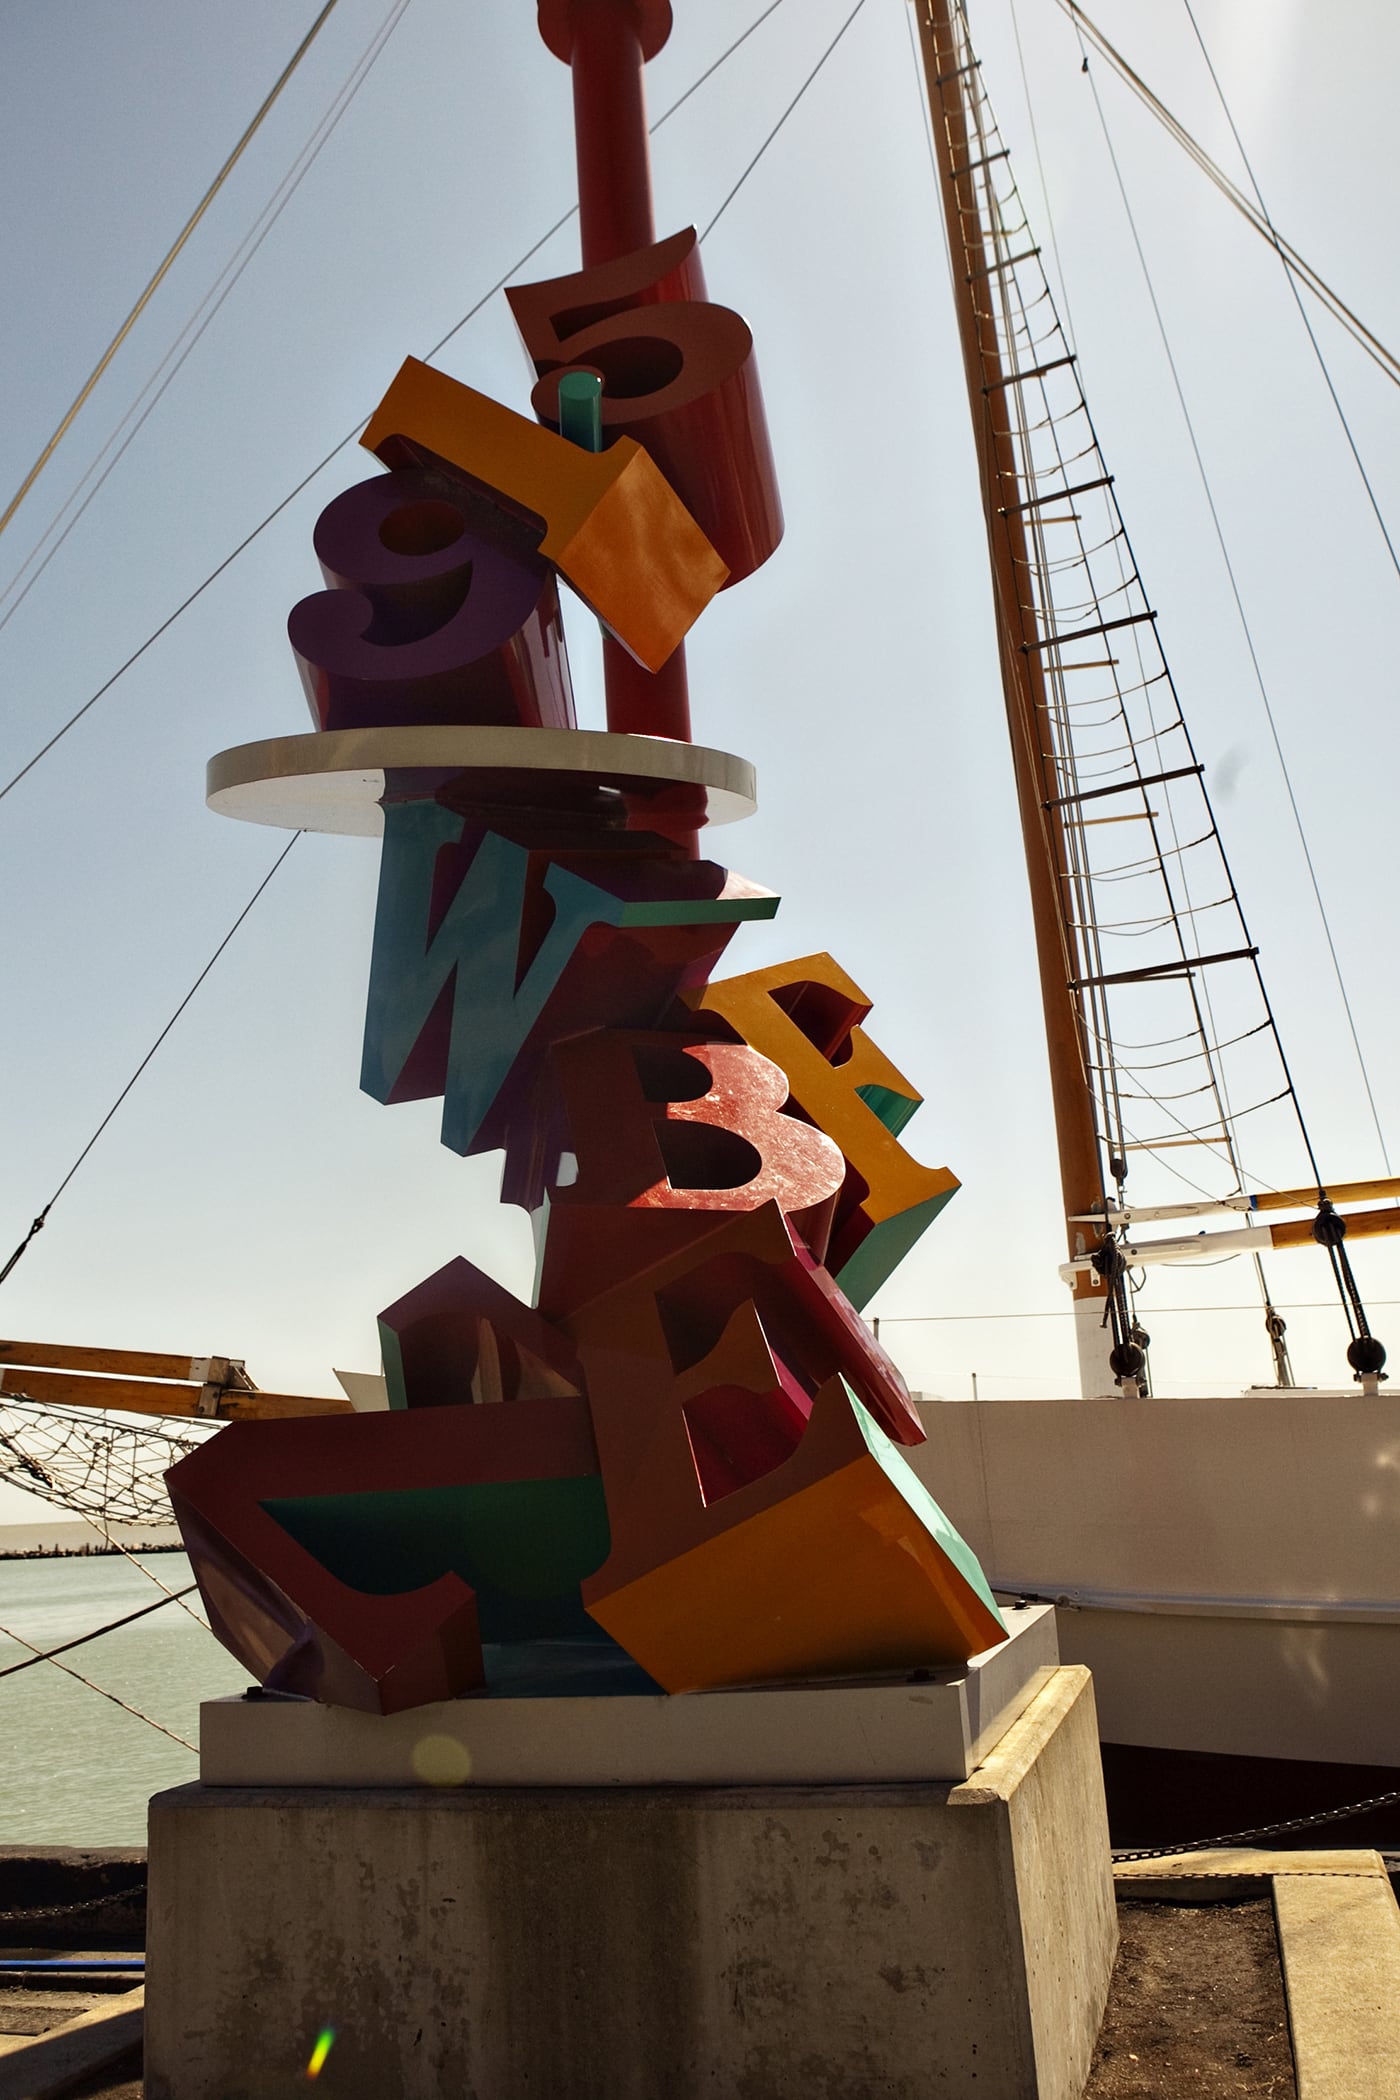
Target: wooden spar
(215, 1388)
(1386, 1185)
(1360, 1224)
(1023, 679)
(1249, 1239)
(129, 1363)
(1339, 1191)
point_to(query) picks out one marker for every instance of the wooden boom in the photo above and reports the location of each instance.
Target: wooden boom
(146, 1382)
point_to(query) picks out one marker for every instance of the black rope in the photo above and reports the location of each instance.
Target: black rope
(67, 518)
(782, 120)
(1297, 296)
(436, 351)
(1365, 1352)
(81, 1640)
(38, 1223)
(37, 1226)
(1231, 578)
(1128, 1356)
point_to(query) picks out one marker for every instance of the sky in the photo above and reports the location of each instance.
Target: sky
(248, 1200)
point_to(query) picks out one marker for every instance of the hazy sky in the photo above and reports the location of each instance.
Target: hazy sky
(248, 1199)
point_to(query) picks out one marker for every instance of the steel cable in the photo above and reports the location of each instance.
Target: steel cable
(40, 1655)
(155, 281)
(1375, 349)
(1231, 578)
(40, 1220)
(350, 436)
(43, 1655)
(14, 593)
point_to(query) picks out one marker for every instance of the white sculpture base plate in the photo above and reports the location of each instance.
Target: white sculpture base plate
(932, 1725)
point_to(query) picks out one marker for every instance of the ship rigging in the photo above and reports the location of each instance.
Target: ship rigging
(1168, 1072)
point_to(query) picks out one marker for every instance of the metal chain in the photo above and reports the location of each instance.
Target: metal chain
(69, 1910)
(1238, 1837)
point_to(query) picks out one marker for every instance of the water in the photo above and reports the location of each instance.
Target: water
(74, 1769)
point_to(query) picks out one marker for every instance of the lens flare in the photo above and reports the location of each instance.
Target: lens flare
(321, 2051)
(441, 1760)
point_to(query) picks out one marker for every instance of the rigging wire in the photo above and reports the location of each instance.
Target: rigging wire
(1297, 295)
(169, 622)
(154, 282)
(926, 115)
(1040, 176)
(695, 85)
(100, 1524)
(1044, 615)
(1067, 1312)
(90, 1461)
(42, 1655)
(782, 119)
(274, 513)
(1257, 218)
(153, 392)
(1018, 334)
(350, 436)
(1235, 593)
(42, 1218)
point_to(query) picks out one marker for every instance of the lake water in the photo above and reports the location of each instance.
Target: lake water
(74, 1769)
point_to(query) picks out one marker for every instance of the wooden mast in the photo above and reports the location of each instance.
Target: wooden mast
(1023, 682)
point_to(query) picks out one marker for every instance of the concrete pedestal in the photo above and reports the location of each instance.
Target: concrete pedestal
(857, 1942)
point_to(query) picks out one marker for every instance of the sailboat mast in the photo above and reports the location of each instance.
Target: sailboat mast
(948, 68)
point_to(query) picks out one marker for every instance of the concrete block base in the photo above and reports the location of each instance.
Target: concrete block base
(743, 1943)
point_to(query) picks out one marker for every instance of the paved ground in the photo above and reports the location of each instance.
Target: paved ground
(32, 2009)
(121, 2082)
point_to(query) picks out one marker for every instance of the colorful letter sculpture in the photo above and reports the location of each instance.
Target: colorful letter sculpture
(609, 522)
(678, 375)
(805, 1016)
(680, 1467)
(428, 618)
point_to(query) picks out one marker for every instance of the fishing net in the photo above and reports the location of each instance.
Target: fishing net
(90, 1463)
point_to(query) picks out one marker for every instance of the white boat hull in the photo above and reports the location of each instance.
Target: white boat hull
(1229, 1569)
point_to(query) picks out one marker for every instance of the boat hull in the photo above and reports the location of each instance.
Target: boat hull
(1229, 1569)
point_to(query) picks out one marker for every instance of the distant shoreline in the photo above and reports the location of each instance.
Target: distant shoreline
(84, 1552)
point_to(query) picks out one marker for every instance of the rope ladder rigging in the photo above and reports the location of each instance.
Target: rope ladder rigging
(1156, 953)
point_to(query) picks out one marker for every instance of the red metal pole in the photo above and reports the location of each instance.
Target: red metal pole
(610, 130)
(646, 703)
(606, 43)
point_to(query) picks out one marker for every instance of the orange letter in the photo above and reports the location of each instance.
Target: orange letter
(613, 525)
(804, 1016)
(763, 1523)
